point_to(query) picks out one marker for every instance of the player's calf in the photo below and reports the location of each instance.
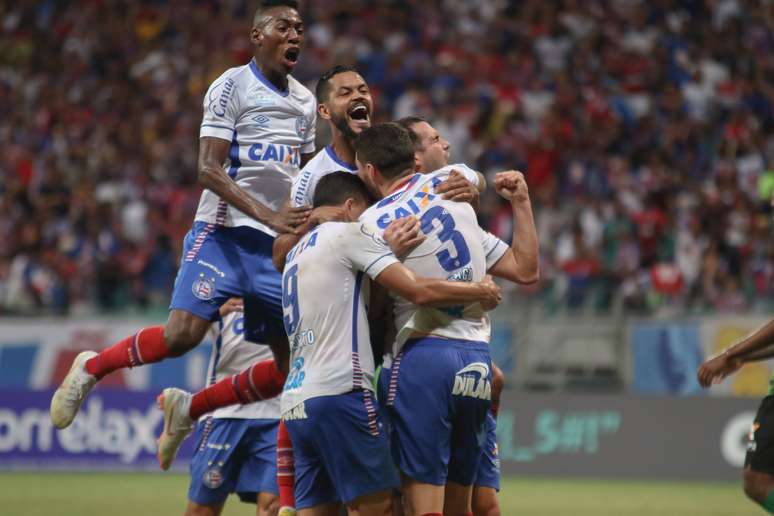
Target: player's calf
(267, 504)
(485, 501)
(183, 332)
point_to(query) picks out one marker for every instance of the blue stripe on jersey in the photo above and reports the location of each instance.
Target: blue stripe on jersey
(265, 81)
(233, 155)
(218, 345)
(334, 157)
(356, 309)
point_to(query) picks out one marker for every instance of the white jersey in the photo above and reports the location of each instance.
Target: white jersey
(232, 354)
(456, 248)
(325, 162)
(268, 130)
(325, 290)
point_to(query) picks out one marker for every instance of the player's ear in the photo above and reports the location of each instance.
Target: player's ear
(256, 36)
(323, 111)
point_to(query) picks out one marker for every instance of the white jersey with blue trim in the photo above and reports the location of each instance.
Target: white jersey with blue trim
(325, 162)
(325, 291)
(268, 129)
(232, 354)
(455, 248)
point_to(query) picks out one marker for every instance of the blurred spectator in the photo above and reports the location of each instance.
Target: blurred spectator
(645, 130)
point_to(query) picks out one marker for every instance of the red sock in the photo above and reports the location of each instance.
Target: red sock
(432, 514)
(145, 347)
(286, 467)
(260, 381)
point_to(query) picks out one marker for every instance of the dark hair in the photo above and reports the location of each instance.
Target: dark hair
(322, 90)
(268, 4)
(408, 123)
(388, 147)
(336, 187)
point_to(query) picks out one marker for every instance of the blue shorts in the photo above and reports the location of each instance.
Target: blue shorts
(341, 450)
(220, 262)
(437, 394)
(488, 473)
(234, 456)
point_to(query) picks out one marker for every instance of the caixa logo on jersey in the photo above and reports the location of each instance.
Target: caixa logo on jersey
(473, 381)
(272, 152)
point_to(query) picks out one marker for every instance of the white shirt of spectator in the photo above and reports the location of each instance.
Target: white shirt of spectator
(231, 354)
(444, 223)
(268, 129)
(325, 290)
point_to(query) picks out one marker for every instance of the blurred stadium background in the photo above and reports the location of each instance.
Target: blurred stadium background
(645, 132)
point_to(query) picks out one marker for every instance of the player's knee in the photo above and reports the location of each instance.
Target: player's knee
(756, 486)
(268, 504)
(195, 509)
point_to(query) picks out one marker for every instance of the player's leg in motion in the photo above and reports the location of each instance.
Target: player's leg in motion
(260, 381)
(286, 472)
(182, 332)
(759, 487)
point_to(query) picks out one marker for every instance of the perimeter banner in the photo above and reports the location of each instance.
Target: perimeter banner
(115, 430)
(695, 438)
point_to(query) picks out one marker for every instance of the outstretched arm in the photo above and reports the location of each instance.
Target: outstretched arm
(521, 263)
(433, 292)
(759, 345)
(212, 154)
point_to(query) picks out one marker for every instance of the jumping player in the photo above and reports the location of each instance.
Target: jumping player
(235, 446)
(257, 131)
(438, 388)
(328, 396)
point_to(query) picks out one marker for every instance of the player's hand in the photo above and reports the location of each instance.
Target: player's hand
(289, 220)
(512, 186)
(234, 304)
(717, 368)
(326, 214)
(403, 235)
(494, 296)
(457, 188)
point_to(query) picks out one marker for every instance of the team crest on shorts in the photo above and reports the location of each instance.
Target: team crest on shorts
(203, 287)
(301, 126)
(213, 477)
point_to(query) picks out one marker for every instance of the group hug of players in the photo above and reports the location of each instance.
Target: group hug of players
(364, 275)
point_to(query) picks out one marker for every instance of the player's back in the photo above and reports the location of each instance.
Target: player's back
(324, 296)
(455, 248)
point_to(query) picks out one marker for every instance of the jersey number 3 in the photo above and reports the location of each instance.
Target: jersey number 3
(446, 234)
(290, 299)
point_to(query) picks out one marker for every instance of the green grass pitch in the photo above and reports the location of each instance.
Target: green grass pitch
(77, 494)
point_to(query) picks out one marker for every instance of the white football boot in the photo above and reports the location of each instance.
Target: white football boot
(68, 397)
(177, 424)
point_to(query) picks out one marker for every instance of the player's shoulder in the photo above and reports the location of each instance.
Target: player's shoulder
(299, 90)
(235, 78)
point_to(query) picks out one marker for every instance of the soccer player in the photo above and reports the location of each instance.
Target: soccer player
(340, 446)
(431, 152)
(438, 391)
(236, 446)
(257, 131)
(759, 463)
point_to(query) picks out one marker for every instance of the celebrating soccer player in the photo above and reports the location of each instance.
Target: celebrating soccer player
(257, 131)
(438, 387)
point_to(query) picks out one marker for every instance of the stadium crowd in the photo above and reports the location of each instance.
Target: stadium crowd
(644, 129)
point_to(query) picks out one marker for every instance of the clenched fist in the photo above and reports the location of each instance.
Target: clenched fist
(512, 186)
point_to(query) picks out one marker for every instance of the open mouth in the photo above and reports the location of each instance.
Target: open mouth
(292, 54)
(359, 112)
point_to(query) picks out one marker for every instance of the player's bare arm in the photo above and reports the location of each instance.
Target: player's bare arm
(438, 293)
(756, 346)
(521, 263)
(212, 153)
